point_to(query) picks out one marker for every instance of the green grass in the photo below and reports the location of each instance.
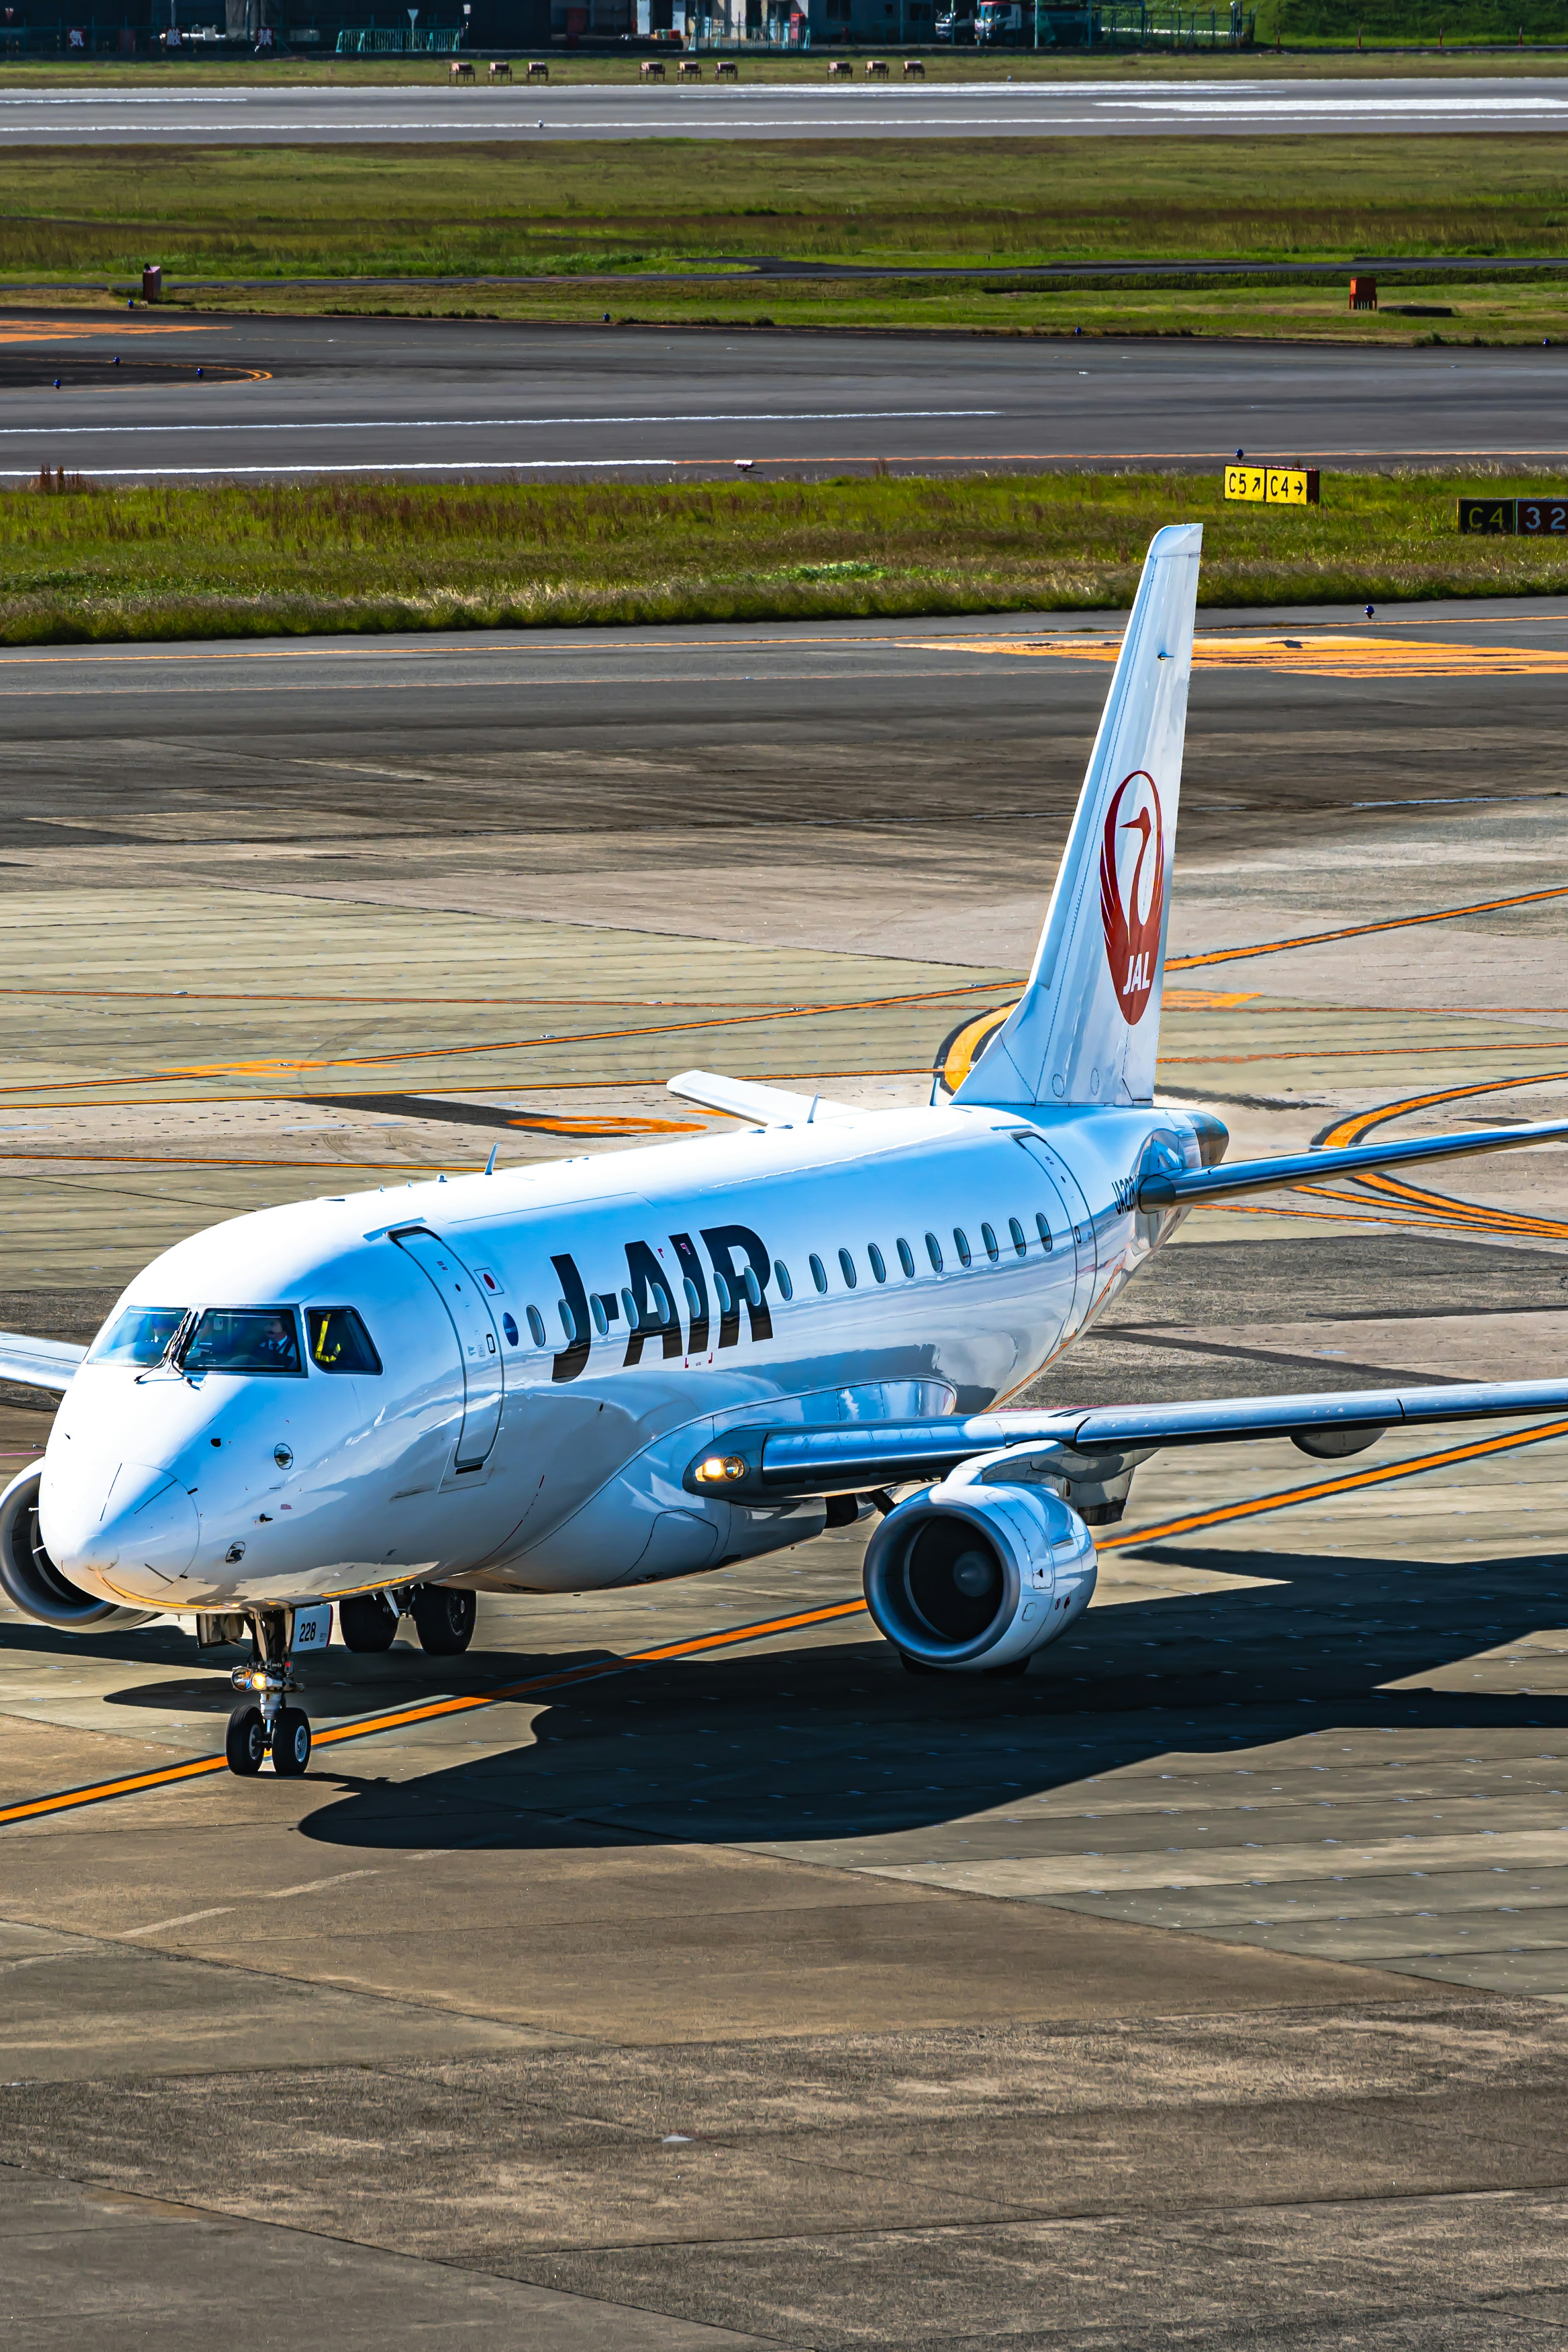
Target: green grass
(578, 69)
(590, 208)
(79, 564)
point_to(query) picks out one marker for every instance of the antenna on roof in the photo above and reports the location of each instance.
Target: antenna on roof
(490, 1162)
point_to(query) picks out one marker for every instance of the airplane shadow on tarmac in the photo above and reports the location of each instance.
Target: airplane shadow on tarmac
(696, 1752)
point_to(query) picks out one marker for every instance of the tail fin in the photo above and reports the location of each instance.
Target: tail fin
(1086, 1028)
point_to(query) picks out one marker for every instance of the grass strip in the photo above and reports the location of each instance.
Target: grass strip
(79, 564)
(1470, 47)
(575, 208)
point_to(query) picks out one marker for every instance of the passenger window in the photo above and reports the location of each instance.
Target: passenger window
(596, 1309)
(726, 1296)
(339, 1342)
(140, 1336)
(752, 1287)
(960, 1244)
(989, 1238)
(877, 1266)
(1020, 1239)
(536, 1324)
(569, 1323)
(906, 1257)
(1044, 1230)
(509, 1325)
(818, 1272)
(244, 1340)
(933, 1250)
(781, 1275)
(846, 1267)
(694, 1307)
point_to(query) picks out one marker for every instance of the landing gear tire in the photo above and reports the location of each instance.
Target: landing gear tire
(245, 1745)
(916, 1665)
(443, 1620)
(291, 1743)
(1005, 1674)
(367, 1622)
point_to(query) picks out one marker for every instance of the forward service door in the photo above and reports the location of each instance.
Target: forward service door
(483, 1379)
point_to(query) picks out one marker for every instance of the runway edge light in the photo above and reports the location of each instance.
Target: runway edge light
(1274, 486)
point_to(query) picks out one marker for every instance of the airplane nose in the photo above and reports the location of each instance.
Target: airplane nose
(145, 1526)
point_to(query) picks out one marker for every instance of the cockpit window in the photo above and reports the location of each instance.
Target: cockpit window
(339, 1341)
(244, 1340)
(139, 1336)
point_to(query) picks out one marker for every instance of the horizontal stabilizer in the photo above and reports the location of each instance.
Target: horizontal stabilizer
(764, 1105)
(1197, 1185)
(772, 1464)
(38, 1364)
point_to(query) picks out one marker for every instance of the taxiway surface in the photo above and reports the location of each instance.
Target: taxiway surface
(439, 397)
(740, 1989)
(251, 115)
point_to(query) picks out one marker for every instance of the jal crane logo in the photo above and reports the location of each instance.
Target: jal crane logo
(1133, 890)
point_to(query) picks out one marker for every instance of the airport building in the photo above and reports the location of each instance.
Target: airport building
(371, 28)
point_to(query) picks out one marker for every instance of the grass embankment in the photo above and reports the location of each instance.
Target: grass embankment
(581, 68)
(591, 215)
(308, 559)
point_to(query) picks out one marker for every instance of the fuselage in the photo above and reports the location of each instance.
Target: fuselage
(556, 1343)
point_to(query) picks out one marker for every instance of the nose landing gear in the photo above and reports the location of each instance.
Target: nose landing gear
(272, 1729)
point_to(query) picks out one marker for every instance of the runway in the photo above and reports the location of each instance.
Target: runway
(247, 116)
(281, 398)
(672, 1972)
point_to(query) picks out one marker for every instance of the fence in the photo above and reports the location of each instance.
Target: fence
(774, 33)
(1130, 24)
(390, 40)
(87, 36)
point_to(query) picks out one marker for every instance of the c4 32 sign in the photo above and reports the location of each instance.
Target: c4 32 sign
(1540, 517)
(1273, 485)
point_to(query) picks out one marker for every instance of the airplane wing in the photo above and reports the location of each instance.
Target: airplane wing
(763, 1466)
(38, 1364)
(765, 1105)
(1191, 1187)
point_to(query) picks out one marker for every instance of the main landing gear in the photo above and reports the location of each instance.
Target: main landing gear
(443, 1619)
(272, 1729)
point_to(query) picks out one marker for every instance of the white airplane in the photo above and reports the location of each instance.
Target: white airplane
(609, 1370)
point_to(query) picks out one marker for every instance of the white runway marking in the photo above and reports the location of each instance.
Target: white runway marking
(506, 423)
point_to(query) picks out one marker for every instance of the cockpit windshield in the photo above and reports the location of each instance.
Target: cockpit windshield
(139, 1336)
(244, 1339)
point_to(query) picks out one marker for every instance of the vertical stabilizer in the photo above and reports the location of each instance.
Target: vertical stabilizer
(1087, 1027)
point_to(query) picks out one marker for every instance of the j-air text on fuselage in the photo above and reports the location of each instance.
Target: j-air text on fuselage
(610, 1370)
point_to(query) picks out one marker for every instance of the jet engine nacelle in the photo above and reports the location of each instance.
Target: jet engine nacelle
(970, 1576)
(31, 1577)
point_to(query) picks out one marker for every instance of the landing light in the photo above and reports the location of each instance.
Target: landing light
(720, 1469)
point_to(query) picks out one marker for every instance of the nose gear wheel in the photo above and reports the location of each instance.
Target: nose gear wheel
(273, 1728)
(246, 1744)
